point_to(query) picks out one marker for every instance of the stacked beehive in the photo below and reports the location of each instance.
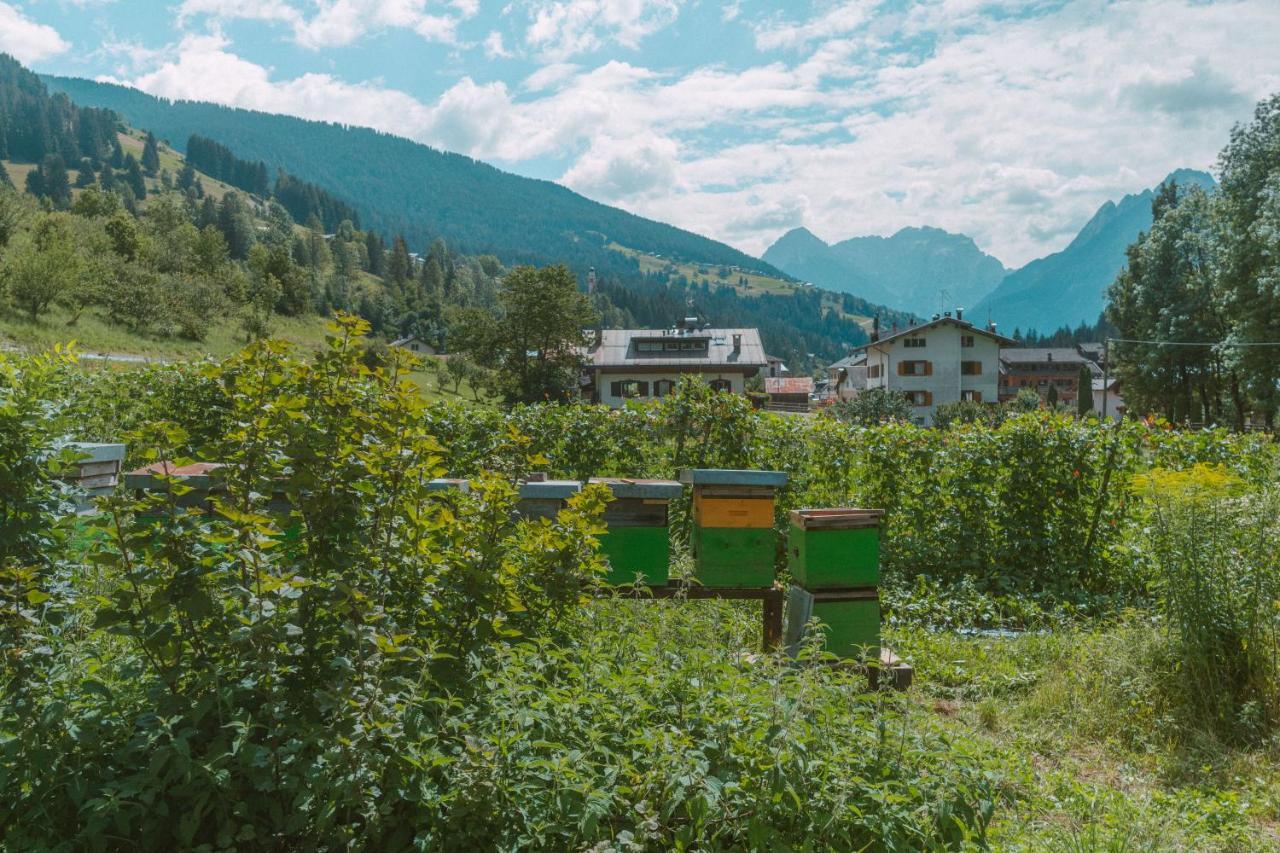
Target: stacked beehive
(834, 557)
(637, 544)
(96, 471)
(733, 540)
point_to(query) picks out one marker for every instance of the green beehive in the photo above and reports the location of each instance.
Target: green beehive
(733, 539)
(834, 548)
(545, 498)
(637, 542)
(850, 621)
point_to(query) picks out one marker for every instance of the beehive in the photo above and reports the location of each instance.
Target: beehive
(834, 548)
(733, 539)
(638, 542)
(850, 621)
(545, 498)
(96, 470)
(196, 476)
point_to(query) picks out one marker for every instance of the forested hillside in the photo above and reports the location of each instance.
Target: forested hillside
(403, 192)
(402, 187)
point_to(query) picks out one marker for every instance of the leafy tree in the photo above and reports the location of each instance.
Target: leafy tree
(40, 271)
(1051, 398)
(150, 155)
(874, 406)
(536, 345)
(10, 216)
(458, 369)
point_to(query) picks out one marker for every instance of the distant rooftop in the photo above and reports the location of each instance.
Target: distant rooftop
(677, 347)
(788, 384)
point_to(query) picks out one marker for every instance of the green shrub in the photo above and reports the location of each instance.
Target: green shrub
(1213, 544)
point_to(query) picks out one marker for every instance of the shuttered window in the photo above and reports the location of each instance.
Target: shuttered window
(919, 398)
(975, 396)
(915, 368)
(663, 387)
(629, 389)
(971, 368)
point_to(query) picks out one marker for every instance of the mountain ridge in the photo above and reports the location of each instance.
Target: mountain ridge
(903, 269)
(1068, 287)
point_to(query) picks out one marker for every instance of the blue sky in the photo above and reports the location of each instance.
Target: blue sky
(1007, 120)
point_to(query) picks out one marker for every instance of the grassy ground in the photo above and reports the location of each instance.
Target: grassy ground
(92, 334)
(435, 390)
(1068, 720)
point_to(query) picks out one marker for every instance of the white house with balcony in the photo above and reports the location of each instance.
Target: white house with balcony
(943, 361)
(642, 364)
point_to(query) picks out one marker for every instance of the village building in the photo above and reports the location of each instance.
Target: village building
(775, 367)
(640, 364)
(1042, 368)
(415, 344)
(942, 361)
(1108, 402)
(847, 378)
(791, 393)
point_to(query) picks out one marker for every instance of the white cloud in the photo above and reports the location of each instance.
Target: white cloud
(632, 168)
(203, 69)
(494, 47)
(839, 20)
(562, 28)
(335, 23)
(1010, 129)
(26, 40)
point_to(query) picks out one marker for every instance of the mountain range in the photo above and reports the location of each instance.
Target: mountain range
(914, 267)
(910, 270)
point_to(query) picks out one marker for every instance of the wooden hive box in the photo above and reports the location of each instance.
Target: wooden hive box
(638, 542)
(834, 548)
(545, 498)
(733, 538)
(96, 471)
(197, 476)
(850, 620)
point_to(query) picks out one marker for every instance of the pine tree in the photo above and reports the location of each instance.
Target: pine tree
(133, 177)
(399, 265)
(117, 155)
(1084, 391)
(151, 155)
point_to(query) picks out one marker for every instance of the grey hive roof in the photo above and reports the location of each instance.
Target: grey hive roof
(618, 349)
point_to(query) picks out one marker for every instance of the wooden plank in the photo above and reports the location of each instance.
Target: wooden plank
(734, 492)
(733, 512)
(663, 490)
(102, 481)
(93, 469)
(732, 477)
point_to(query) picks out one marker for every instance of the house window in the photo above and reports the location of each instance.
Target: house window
(972, 396)
(919, 398)
(629, 389)
(413, 347)
(915, 368)
(966, 340)
(649, 346)
(663, 387)
(873, 372)
(913, 342)
(721, 385)
(971, 368)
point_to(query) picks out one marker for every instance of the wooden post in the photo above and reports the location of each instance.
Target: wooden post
(771, 616)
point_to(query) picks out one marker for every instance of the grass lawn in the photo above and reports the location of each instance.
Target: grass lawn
(1067, 719)
(93, 334)
(436, 391)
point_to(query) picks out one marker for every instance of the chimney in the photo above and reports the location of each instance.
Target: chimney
(1048, 356)
(591, 280)
(959, 313)
(737, 343)
(875, 329)
(948, 314)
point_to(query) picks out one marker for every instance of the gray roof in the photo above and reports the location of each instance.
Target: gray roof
(856, 360)
(964, 325)
(1042, 355)
(618, 349)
